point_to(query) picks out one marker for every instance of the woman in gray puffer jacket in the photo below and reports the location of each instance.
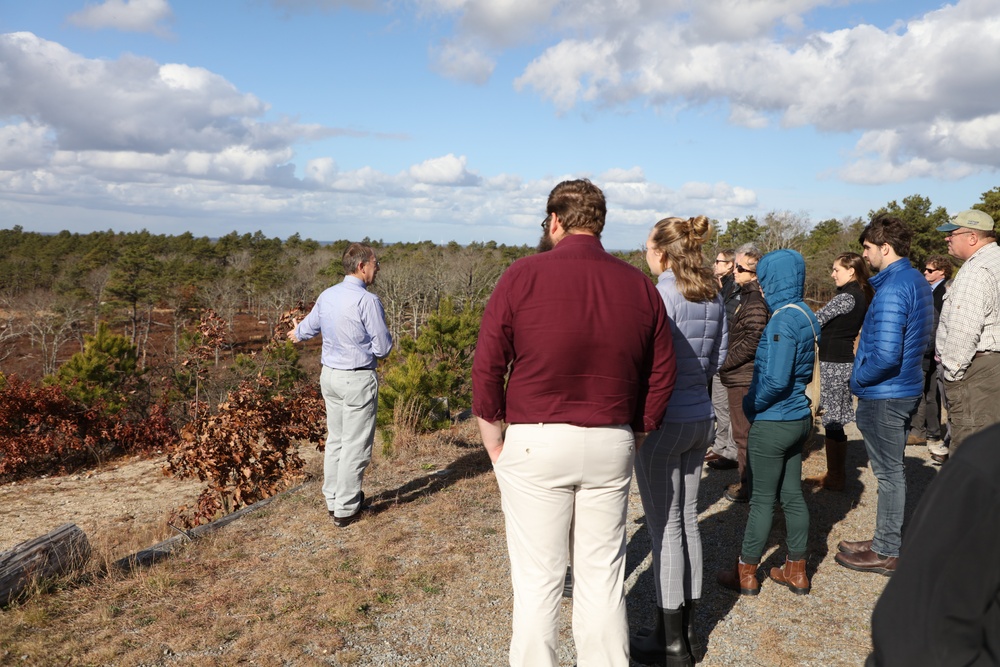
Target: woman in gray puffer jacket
(668, 465)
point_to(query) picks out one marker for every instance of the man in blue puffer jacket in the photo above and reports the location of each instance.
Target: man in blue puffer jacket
(888, 381)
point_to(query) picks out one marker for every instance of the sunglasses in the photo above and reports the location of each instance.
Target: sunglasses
(930, 269)
(743, 269)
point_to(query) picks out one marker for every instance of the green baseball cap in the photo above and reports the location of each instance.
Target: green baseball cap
(971, 219)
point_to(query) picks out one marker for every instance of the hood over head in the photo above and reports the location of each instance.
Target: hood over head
(782, 275)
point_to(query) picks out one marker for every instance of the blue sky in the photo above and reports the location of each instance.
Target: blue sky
(450, 120)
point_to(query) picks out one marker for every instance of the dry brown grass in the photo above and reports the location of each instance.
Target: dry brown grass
(282, 584)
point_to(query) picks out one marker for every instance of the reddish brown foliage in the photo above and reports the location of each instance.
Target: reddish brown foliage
(246, 452)
(44, 431)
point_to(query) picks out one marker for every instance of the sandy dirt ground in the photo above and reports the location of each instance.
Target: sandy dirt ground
(121, 507)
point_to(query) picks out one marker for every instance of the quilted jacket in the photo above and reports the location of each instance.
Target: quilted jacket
(786, 352)
(894, 335)
(700, 341)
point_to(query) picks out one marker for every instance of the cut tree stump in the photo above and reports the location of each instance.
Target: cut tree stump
(50, 555)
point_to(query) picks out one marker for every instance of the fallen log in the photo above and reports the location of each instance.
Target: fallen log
(58, 552)
(163, 549)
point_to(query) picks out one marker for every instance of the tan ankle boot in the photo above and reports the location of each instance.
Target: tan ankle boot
(793, 575)
(742, 579)
(835, 477)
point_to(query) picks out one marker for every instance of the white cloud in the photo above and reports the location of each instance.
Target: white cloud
(462, 62)
(132, 138)
(447, 170)
(126, 15)
(939, 70)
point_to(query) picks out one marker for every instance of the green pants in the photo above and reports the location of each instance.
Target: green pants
(775, 450)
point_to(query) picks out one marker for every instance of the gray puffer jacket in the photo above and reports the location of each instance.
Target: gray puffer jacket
(700, 342)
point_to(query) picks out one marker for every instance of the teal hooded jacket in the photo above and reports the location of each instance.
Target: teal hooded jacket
(786, 352)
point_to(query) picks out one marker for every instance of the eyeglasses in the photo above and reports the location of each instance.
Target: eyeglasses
(743, 269)
(930, 269)
(723, 261)
(957, 234)
(546, 221)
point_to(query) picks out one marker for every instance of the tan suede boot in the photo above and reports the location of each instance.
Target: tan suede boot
(793, 575)
(835, 477)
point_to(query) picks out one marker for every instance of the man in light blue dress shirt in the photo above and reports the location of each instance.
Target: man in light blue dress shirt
(352, 323)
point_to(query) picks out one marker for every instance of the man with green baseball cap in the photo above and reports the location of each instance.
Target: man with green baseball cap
(968, 337)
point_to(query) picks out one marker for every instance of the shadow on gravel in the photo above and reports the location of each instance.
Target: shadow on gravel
(473, 464)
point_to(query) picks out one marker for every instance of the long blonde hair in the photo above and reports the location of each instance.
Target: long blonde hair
(680, 242)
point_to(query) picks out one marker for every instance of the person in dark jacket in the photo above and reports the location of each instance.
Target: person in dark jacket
(722, 455)
(888, 380)
(927, 424)
(942, 605)
(781, 420)
(841, 319)
(745, 330)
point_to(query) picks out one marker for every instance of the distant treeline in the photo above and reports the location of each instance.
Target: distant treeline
(54, 287)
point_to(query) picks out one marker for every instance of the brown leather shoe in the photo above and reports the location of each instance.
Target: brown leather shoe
(868, 561)
(915, 440)
(793, 575)
(846, 547)
(742, 579)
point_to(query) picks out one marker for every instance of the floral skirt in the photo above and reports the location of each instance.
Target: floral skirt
(835, 398)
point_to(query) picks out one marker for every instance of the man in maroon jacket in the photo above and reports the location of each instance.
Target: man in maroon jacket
(583, 342)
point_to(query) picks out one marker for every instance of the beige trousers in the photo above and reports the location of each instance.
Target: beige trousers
(564, 491)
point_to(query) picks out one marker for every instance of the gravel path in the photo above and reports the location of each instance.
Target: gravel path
(831, 626)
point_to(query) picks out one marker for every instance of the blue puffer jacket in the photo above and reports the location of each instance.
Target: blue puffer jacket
(700, 342)
(894, 335)
(786, 352)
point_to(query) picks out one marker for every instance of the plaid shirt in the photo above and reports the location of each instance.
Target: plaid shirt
(970, 317)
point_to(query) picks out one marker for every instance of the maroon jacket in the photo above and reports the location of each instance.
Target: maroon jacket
(585, 337)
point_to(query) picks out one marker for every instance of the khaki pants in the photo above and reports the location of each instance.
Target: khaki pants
(351, 402)
(974, 401)
(564, 491)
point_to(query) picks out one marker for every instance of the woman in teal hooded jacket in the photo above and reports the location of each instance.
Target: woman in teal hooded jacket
(781, 417)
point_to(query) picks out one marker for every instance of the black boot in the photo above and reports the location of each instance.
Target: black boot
(694, 644)
(646, 646)
(675, 647)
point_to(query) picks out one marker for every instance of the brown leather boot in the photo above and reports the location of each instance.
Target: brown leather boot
(835, 477)
(793, 575)
(742, 579)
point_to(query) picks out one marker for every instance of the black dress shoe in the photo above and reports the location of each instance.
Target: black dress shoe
(345, 521)
(722, 463)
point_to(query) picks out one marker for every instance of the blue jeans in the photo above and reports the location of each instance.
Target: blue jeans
(884, 423)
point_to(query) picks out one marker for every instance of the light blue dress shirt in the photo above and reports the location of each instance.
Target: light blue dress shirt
(352, 322)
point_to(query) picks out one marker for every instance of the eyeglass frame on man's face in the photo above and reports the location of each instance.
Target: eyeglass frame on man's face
(545, 222)
(958, 233)
(930, 269)
(743, 269)
(724, 261)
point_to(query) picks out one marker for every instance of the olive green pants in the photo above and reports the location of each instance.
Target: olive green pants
(775, 450)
